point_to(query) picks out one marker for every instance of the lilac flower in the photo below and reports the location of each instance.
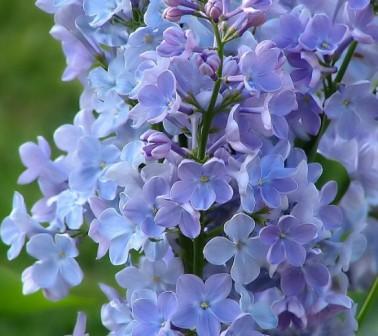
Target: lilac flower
(358, 4)
(204, 306)
(17, 226)
(261, 70)
(294, 279)
(352, 106)
(102, 11)
(55, 260)
(286, 240)
(244, 249)
(142, 208)
(79, 57)
(290, 312)
(116, 233)
(158, 275)
(176, 42)
(174, 213)
(279, 106)
(202, 185)
(80, 325)
(36, 159)
(269, 178)
(115, 78)
(322, 35)
(242, 326)
(92, 156)
(153, 317)
(155, 102)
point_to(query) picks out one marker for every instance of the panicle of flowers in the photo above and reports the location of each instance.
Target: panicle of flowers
(201, 161)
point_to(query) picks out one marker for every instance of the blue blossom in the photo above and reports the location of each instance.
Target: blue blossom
(117, 233)
(322, 35)
(269, 178)
(156, 101)
(56, 261)
(158, 276)
(17, 227)
(141, 209)
(286, 240)
(351, 106)
(245, 250)
(261, 69)
(204, 306)
(93, 157)
(202, 185)
(102, 11)
(153, 316)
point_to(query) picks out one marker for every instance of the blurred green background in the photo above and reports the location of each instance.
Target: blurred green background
(34, 101)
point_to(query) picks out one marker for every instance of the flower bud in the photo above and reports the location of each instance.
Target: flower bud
(214, 9)
(208, 62)
(158, 145)
(174, 14)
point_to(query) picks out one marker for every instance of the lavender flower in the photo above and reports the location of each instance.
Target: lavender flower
(204, 306)
(202, 185)
(286, 240)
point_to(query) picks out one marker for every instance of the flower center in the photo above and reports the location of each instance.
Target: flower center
(204, 179)
(204, 305)
(148, 39)
(325, 45)
(346, 102)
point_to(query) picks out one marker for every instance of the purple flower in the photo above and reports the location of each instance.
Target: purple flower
(358, 4)
(352, 106)
(93, 156)
(286, 240)
(102, 11)
(80, 325)
(153, 317)
(176, 42)
(36, 159)
(269, 178)
(279, 106)
(157, 275)
(294, 279)
(243, 326)
(17, 226)
(322, 35)
(56, 261)
(261, 69)
(116, 233)
(290, 312)
(158, 145)
(204, 306)
(173, 213)
(156, 101)
(202, 185)
(142, 208)
(244, 249)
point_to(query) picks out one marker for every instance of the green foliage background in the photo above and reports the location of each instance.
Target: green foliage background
(33, 101)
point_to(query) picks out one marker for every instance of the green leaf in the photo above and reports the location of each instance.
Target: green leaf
(369, 307)
(333, 171)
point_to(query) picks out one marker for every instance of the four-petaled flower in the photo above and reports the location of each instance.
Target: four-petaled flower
(202, 185)
(204, 306)
(244, 249)
(286, 240)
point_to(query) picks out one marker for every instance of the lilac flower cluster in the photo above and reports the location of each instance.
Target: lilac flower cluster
(204, 148)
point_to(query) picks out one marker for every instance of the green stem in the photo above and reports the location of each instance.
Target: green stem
(368, 301)
(332, 87)
(209, 114)
(345, 64)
